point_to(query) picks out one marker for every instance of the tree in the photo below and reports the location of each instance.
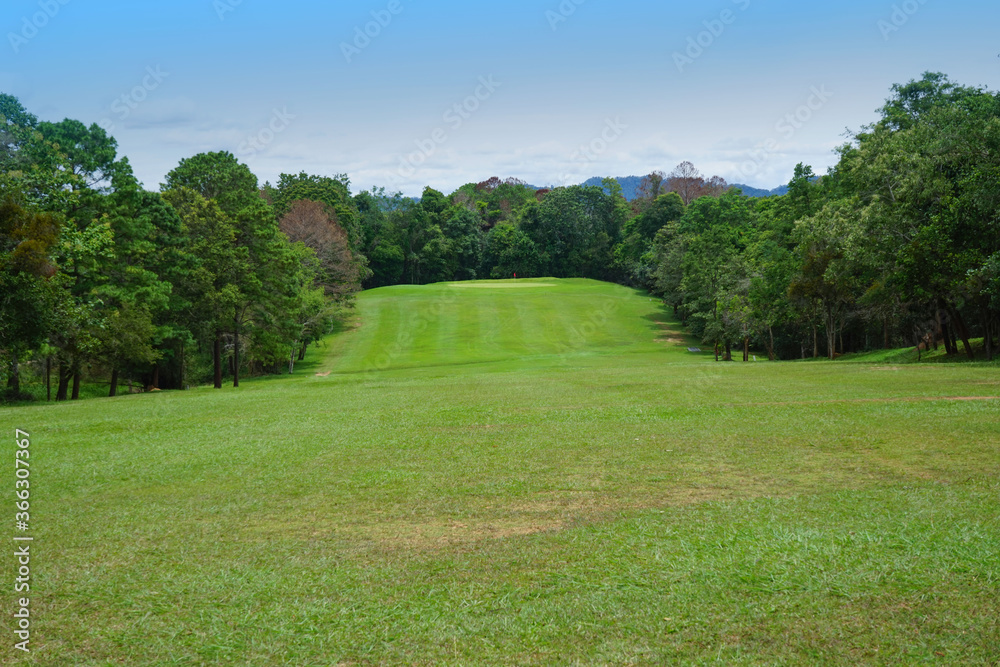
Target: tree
(125, 337)
(923, 181)
(494, 200)
(575, 230)
(89, 154)
(650, 187)
(689, 184)
(381, 240)
(26, 242)
(333, 192)
(663, 210)
(315, 225)
(828, 274)
(634, 255)
(770, 268)
(510, 252)
(212, 287)
(17, 128)
(216, 176)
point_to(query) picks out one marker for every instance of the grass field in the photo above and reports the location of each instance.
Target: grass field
(502, 473)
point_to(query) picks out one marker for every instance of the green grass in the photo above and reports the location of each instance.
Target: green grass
(910, 355)
(522, 475)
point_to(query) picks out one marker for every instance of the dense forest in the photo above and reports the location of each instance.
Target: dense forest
(217, 276)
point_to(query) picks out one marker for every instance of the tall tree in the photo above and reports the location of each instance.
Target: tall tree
(315, 225)
(688, 182)
(26, 265)
(216, 176)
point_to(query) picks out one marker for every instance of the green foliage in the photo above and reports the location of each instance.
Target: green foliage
(89, 155)
(216, 176)
(511, 253)
(333, 192)
(494, 200)
(575, 230)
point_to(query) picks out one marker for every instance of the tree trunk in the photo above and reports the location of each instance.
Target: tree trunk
(987, 335)
(76, 385)
(302, 352)
(64, 376)
(48, 379)
(217, 359)
(236, 352)
(14, 381)
(114, 383)
(993, 324)
(291, 361)
(156, 377)
(815, 342)
(716, 350)
(770, 348)
(885, 333)
(729, 352)
(951, 328)
(746, 348)
(945, 330)
(963, 333)
(937, 334)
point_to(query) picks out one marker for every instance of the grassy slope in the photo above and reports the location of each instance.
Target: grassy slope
(523, 475)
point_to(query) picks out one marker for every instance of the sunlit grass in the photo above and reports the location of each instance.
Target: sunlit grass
(482, 479)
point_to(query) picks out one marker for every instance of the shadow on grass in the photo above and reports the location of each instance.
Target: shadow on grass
(910, 355)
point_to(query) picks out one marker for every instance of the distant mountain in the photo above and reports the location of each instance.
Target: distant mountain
(630, 187)
(751, 191)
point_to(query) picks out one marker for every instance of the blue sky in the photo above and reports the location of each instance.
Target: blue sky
(549, 91)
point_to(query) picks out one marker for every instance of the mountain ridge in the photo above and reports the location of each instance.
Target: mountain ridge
(630, 185)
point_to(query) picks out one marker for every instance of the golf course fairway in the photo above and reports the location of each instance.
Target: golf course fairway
(530, 472)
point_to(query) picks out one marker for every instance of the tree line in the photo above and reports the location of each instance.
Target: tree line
(216, 275)
(898, 245)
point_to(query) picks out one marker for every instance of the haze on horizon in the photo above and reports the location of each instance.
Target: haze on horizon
(405, 94)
